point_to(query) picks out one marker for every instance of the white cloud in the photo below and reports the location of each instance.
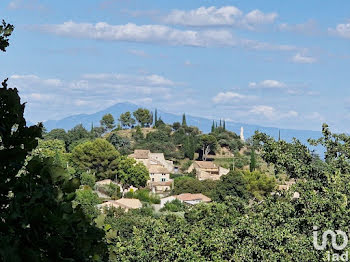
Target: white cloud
(256, 17)
(271, 113)
(26, 4)
(203, 16)
(267, 84)
(309, 27)
(159, 34)
(151, 80)
(142, 33)
(36, 79)
(226, 97)
(341, 30)
(223, 16)
(302, 59)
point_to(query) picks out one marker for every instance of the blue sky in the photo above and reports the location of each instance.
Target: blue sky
(272, 63)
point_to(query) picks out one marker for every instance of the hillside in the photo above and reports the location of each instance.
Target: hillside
(203, 124)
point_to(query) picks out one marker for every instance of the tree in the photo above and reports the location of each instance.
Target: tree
(37, 221)
(130, 173)
(98, 156)
(77, 133)
(5, 32)
(184, 122)
(123, 145)
(107, 122)
(97, 131)
(155, 116)
(144, 117)
(208, 143)
(126, 120)
(88, 200)
(213, 127)
(176, 126)
(224, 125)
(57, 133)
(252, 164)
(232, 184)
(16, 141)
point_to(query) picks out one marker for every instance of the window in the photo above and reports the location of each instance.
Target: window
(152, 174)
(163, 174)
(163, 179)
(152, 179)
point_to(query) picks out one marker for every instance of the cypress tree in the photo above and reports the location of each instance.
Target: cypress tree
(184, 123)
(213, 127)
(224, 125)
(252, 165)
(279, 135)
(155, 117)
(220, 123)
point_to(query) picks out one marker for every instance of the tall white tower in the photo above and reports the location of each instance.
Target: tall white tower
(242, 134)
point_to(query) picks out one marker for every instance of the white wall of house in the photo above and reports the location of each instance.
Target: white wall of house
(156, 177)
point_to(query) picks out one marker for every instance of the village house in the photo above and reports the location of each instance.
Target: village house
(159, 170)
(193, 199)
(207, 170)
(125, 203)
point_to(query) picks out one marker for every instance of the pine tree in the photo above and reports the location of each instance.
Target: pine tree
(184, 123)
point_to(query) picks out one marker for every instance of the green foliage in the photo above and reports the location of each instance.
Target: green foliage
(16, 140)
(126, 120)
(143, 195)
(122, 144)
(176, 126)
(87, 200)
(130, 173)
(138, 135)
(107, 122)
(174, 206)
(113, 191)
(77, 133)
(144, 117)
(184, 122)
(57, 133)
(258, 184)
(98, 156)
(97, 132)
(186, 184)
(293, 158)
(207, 144)
(87, 178)
(37, 220)
(232, 184)
(252, 164)
(5, 32)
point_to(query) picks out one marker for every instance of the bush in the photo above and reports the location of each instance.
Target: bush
(88, 179)
(174, 206)
(143, 195)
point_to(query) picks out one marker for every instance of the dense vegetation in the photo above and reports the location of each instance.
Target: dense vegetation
(48, 205)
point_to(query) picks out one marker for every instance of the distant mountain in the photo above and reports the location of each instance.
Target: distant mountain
(203, 124)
